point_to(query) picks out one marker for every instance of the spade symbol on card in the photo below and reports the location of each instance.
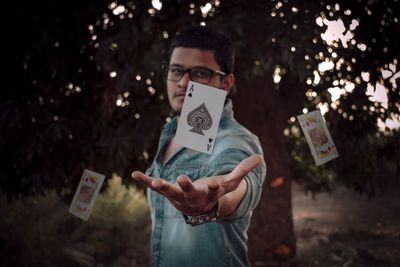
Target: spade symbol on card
(200, 119)
(190, 94)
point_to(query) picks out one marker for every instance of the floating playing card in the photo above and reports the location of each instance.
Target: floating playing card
(318, 137)
(200, 116)
(86, 194)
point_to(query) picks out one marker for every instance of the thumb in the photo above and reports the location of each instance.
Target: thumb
(244, 167)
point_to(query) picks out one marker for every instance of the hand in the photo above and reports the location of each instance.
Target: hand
(200, 196)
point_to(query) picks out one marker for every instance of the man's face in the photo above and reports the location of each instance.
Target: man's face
(190, 58)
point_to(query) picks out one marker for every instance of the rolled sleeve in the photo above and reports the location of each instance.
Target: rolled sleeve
(224, 163)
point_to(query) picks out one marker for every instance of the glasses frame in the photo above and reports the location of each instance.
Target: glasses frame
(188, 70)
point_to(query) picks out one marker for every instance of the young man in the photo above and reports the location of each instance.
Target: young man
(202, 204)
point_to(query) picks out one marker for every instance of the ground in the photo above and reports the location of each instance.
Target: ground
(346, 229)
(342, 229)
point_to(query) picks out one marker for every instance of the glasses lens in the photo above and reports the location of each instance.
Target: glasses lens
(200, 75)
(174, 73)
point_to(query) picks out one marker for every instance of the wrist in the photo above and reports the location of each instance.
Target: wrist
(210, 216)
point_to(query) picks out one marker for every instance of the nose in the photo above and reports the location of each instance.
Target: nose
(184, 81)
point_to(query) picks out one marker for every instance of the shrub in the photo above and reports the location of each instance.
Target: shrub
(39, 231)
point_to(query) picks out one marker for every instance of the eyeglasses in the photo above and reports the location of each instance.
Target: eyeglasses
(201, 75)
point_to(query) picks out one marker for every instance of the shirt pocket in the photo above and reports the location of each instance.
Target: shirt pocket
(193, 171)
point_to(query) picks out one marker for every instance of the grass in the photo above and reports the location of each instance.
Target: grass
(39, 231)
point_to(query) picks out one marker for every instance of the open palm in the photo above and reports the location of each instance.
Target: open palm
(200, 196)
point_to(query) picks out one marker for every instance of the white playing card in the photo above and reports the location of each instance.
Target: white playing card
(318, 137)
(200, 116)
(86, 194)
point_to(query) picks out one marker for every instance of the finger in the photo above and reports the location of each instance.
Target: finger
(169, 190)
(142, 178)
(244, 167)
(187, 186)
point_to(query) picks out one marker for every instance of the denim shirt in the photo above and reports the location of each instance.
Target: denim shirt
(220, 243)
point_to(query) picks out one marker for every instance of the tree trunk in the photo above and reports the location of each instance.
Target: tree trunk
(265, 111)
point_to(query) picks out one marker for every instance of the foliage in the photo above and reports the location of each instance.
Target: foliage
(371, 163)
(83, 87)
(362, 65)
(39, 231)
(58, 112)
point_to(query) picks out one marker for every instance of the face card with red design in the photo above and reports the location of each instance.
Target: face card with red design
(318, 137)
(200, 116)
(86, 194)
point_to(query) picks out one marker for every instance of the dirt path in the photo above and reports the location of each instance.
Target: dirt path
(346, 229)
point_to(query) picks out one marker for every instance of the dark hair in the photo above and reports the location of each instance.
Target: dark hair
(205, 38)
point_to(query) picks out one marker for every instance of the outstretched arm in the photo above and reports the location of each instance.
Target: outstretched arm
(198, 197)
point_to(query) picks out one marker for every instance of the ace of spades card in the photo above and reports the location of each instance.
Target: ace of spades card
(86, 194)
(200, 116)
(318, 137)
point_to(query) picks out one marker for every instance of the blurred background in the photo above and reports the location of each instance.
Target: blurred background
(82, 88)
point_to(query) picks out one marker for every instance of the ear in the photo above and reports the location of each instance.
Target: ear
(227, 82)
